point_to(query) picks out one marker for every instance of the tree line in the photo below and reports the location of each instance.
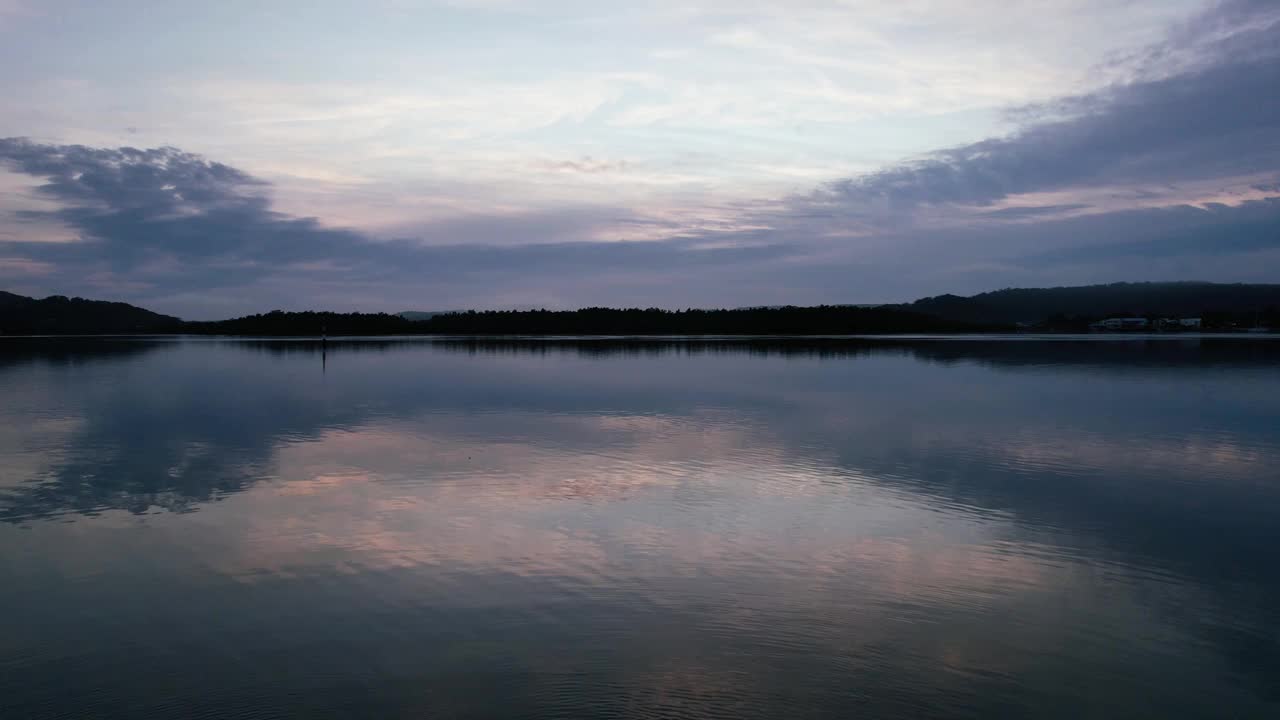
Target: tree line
(820, 320)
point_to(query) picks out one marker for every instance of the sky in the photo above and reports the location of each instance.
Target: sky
(215, 159)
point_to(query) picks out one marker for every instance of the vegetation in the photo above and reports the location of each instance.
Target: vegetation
(820, 320)
(59, 315)
(1068, 309)
(1221, 305)
(833, 320)
(307, 324)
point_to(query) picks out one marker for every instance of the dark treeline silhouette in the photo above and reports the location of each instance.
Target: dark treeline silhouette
(1070, 309)
(820, 320)
(308, 324)
(827, 319)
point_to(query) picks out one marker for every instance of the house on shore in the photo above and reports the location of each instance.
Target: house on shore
(1137, 324)
(1192, 324)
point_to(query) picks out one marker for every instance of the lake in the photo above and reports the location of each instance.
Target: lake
(714, 528)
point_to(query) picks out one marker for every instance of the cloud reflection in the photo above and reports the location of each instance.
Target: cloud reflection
(911, 496)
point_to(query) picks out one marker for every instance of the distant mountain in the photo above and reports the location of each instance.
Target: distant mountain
(1238, 302)
(60, 315)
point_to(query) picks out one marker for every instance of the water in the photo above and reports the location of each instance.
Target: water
(449, 529)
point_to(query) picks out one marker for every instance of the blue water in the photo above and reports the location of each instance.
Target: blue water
(703, 529)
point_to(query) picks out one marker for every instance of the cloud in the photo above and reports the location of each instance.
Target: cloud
(138, 207)
(1169, 173)
(1218, 118)
(1033, 212)
(16, 268)
(1177, 231)
(10, 9)
(590, 165)
(1240, 29)
(159, 221)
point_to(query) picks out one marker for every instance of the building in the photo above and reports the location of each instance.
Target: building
(1120, 324)
(1178, 324)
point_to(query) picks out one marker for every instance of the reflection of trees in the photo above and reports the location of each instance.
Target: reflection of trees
(73, 351)
(1108, 355)
(311, 346)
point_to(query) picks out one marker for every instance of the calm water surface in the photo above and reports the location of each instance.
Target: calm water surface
(435, 529)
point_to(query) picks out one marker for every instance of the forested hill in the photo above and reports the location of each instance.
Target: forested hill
(1178, 299)
(20, 315)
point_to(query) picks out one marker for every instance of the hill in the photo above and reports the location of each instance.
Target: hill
(60, 315)
(8, 300)
(1227, 302)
